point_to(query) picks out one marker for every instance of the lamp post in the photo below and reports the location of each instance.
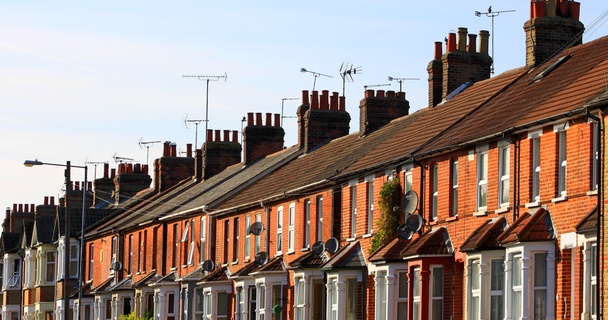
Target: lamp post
(67, 251)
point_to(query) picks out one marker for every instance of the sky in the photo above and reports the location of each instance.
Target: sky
(87, 81)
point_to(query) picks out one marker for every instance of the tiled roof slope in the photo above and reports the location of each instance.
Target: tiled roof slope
(10, 242)
(308, 260)
(350, 256)
(318, 165)
(432, 242)
(43, 230)
(390, 251)
(218, 275)
(485, 236)
(536, 226)
(589, 223)
(576, 81)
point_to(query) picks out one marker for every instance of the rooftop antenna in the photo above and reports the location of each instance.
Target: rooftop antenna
(119, 160)
(316, 75)
(400, 80)
(492, 14)
(346, 72)
(187, 126)
(147, 144)
(95, 163)
(207, 78)
(375, 85)
(283, 106)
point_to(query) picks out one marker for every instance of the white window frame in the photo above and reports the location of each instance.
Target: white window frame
(484, 292)
(49, 277)
(562, 161)
(279, 238)
(258, 239)
(381, 295)
(198, 303)
(247, 237)
(408, 181)
(482, 179)
(291, 233)
(353, 209)
(535, 144)
(455, 188)
(595, 132)
(299, 297)
(504, 174)
(474, 289)
(434, 190)
(416, 293)
(235, 240)
(436, 296)
(369, 182)
(319, 205)
(590, 254)
(74, 260)
(307, 228)
(203, 235)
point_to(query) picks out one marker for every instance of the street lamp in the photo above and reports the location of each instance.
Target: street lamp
(66, 258)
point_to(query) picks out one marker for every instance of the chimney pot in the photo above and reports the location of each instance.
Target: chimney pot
(380, 93)
(390, 93)
(226, 135)
(235, 136)
(46, 200)
(550, 9)
(472, 43)
(342, 105)
(52, 201)
(145, 169)
(15, 207)
(217, 137)
(323, 103)
(166, 148)
(305, 97)
(484, 36)
(21, 207)
(451, 42)
(314, 103)
(438, 50)
(269, 119)
(27, 208)
(370, 93)
(106, 170)
(462, 39)
(174, 149)
(189, 150)
(333, 101)
(129, 168)
(250, 118)
(258, 119)
(113, 173)
(90, 185)
(137, 168)
(277, 119)
(209, 135)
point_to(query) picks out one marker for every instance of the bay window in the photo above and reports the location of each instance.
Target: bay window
(437, 293)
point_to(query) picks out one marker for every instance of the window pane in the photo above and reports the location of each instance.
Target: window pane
(474, 308)
(437, 309)
(438, 282)
(516, 304)
(496, 308)
(222, 304)
(540, 303)
(498, 270)
(402, 310)
(540, 270)
(402, 285)
(517, 271)
(351, 298)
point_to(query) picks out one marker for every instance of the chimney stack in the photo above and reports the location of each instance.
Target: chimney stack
(168, 169)
(260, 140)
(321, 121)
(104, 189)
(553, 27)
(220, 154)
(377, 110)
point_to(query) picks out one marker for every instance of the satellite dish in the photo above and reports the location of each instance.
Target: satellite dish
(414, 222)
(332, 245)
(404, 232)
(208, 265)
(256, 228)
(410, 202)
(318, 247)
(116, 266)
(261, 258)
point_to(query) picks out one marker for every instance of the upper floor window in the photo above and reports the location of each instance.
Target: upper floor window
(114, 252)
(74, 261)
(203, 233)
(91, 260)
(279, 241)
(455, 188)
(235, 237)
(291, 236)
(370, 203)
(353, 209)
(50, 266)
(562, 161)
(247, 237)
(130, 255)
(504, 175)
(307, 229)
(226, 239)
(482, 180)
(319, 218)
(595, 131)
(437, 293)
(535, 174)
(434, 190)
(15, 275)
(408, 181)
(258, 218)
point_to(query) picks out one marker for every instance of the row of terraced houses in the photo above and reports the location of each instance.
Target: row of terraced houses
(504, 178)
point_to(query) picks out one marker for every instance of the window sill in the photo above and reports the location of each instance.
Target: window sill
(369, 235)
(592, 193)
(234, 262)
(291, 252)
(305, 249)
(502, 210)
(434, 222)
(559, 199)
(481, 213)
(246, 260)
(351, 239)
(533, 204)
(278, 254)
(454, 218)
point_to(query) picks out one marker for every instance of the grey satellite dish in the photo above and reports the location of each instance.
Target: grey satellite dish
(332, 245)
(256, 228)
(410, 202)
(116, 266)
(318, 247)
(208, 265)
(414, 222)
(404, 232)
(261, 258)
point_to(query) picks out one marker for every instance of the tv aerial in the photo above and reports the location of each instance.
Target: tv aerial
(95, 163)
(207, 78)
(187, 123)
(400, 80)
(282, 107)
(375, 85)
(146, 144)
(492, 14)
(316, 75)
(119, 160)
(346, 72)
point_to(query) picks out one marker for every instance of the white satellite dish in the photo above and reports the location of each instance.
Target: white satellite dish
(332, 245)
(318, 247)
(261, 258)
(256, 228)
(410, 202)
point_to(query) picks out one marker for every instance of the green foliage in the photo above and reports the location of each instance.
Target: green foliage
(390, 197)
(131, 316)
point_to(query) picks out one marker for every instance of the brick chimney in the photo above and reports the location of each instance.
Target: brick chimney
(104, 189)
(220, 153)
(171, 169)
(130, 179)
(260, 140)
(47, 209)
(76, 196)
(323, 119)
(13, 221)
(379, 108)
(461, 63)
(553, 27)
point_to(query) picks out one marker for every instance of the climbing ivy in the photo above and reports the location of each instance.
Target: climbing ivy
(390, 198)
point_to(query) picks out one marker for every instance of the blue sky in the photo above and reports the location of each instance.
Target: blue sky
(87, 80)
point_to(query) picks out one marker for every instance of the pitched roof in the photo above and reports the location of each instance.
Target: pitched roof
(485, 236)
(195, 275)
(43, 230)
(10, 242)
(147, 280)
(350, 256)
(535, 226)
(218, 275)
(275, 264)
(432, 242)
(588, 223)
(565, 90)
(390, 251)
(308, 260)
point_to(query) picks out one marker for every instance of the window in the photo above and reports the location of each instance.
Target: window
(114, 252)
(540, 285)
(437, 293)
(239, 303)
(207, 305)
(108, 309)
(235, 237)
(262, 304)
(516, 290)
(170, 306)
(277, 299)
(175, 246)
(300, 298)
(353, 208)
(402, 294)
(258, 218)
(203, 233)
(198, 303)
(535, 194)
(247, 237)
(482, 180)
(226, 239)
(455, 188)
(504, 175)
(189, 245)
(408, 181)
(91, 260)
(595, 133)
(370, 204)
(279, 230)
(73, 261)
(222, 305)
(50, 266)
(1, 275)
(332, 295)
(140, 252)
(307, 229)
(591, 280)
(562, 162)
(252, 302)
(291, 236)
(416, 293)
(319, 218)
(130, 257)
(474, 289)
(381, 295)
(351, 298)
(434, 190)
(497, 283)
